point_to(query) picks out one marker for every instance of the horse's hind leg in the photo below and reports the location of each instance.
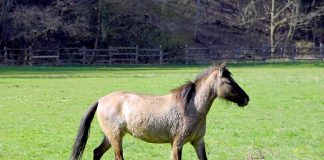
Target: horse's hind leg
(199, 146)
(177, 149)
(116, 143)
(101, 149)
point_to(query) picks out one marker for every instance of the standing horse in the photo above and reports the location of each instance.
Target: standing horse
(176, 118)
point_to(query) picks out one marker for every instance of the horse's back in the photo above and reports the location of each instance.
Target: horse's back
(128, 103)
(133, 99)
(146, 117)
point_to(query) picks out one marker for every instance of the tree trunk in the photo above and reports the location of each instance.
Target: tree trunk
(98, 24)
(198, 12)
(98, 36)
(272, 27)
(293, 24)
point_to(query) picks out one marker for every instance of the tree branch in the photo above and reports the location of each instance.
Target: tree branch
(280, 22)
(251, 21)
(283, 9)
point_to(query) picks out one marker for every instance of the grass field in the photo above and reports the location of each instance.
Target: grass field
(40, 110)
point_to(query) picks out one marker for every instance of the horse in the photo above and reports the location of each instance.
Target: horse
(176, 118)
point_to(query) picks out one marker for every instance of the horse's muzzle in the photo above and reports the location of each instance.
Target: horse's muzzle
(244, 102)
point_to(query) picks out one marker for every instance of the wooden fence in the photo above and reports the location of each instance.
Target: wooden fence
(65, 56)
(136, 55)
(207, 55)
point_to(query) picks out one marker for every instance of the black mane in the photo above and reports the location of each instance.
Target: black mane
(208, 71)
(186, 92)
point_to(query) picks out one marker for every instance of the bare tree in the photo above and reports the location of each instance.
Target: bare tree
(30, 23)
(36, 26)
(280, 17)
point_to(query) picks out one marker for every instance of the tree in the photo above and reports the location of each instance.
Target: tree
(50, 26)
(284, 20)
(5, 5)
(99, 12)
(198, 13)
(28, 24)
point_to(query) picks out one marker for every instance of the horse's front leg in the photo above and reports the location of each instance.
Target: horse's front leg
(177, 150)
(199, 146)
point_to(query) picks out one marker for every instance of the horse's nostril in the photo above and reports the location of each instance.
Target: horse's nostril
(246, 101)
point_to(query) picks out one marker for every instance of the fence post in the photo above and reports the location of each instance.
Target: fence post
(5, 55)
(264, 53)
(30, 55)
(83, 51)
(213, 53)
(93, 56)
(186, 54)
(293, 54)
(136, 56)
(322, 50)
(110, 55)
(237, 55)
(160, 54)
(58, 56)
(26, 52)
(297, 51)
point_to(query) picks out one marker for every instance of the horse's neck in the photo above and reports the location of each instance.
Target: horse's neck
(204, 97)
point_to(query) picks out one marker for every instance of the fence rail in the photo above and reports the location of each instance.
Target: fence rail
(136, 55)
(205, 55)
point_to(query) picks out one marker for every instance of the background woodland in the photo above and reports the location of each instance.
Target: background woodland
(170, 23)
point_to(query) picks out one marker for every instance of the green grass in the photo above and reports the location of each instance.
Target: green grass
(40, 110)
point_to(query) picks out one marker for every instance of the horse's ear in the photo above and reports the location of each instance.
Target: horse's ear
(223, 65)
(222, 68)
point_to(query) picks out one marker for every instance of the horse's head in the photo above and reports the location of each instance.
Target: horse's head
(228, 89)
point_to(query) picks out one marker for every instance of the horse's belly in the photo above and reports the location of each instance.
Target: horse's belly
(149, 128)
(152, 138)
(150, 123)
(150, 134)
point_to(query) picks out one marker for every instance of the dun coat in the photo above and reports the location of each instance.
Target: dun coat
(176, 118)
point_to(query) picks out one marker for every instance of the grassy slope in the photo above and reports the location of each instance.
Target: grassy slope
(40, 109)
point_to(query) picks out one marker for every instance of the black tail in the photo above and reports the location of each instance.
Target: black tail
(83, 133)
